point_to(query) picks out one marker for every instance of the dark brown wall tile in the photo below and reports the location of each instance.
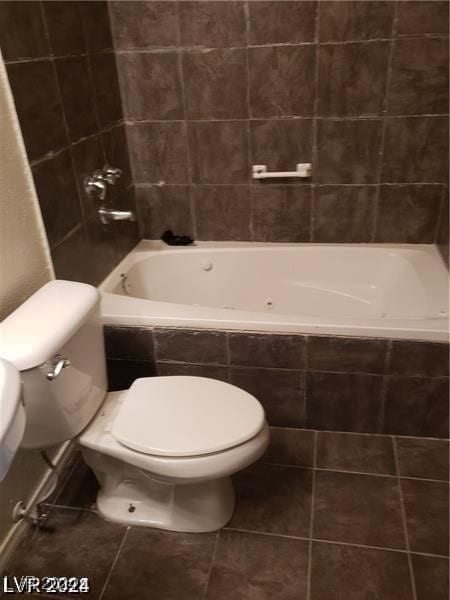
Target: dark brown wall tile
(278, 23)
(212, 24)
(132, 343)
(422, 359)
(65, 27)
(426, 508)
(127, 232)
(416, 150)
(293, 447)
(58, 197)
(417, 407)
(215, 84)
(241, 558)
(219, 151)
(106, 88)
(359, 572)
(352, 79)
(97, 27)
(207, 347)
(38, 107)
(417, 17)
(353, 452)
(158, 152)
(77, 97)
(419, 80)
(211, 371)
(267, 350)
(222, 212)
(103, 249)
(22, 31)
(427, 459)
(71, 257)
(281, 213)
(342, 21)
(144, 24)
(346, 355)
(348, 151)
(377, 521)
(343, 214)
(343, 402)
(431, 577)
(122, 373)
(280, 81)
(162, 208)
(280, 392)
(151, 86)
(408, 214)
(281, 144)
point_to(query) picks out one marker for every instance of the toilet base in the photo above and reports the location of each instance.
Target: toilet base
(132, 496)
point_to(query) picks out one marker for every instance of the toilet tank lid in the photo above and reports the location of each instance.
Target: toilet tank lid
(39, 328)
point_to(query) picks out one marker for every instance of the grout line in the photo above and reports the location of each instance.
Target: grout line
(404, 522)
(213, 556)
(379, 169)
(108, 577)
(384, 384)
(203, 48)
(440, 215)
(311, 520)
(314, 129)
(346, 472)
(380, 118)
(333, 542)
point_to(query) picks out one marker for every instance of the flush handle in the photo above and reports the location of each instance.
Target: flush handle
(58, 364)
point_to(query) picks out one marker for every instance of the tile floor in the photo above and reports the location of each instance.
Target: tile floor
(324, 516)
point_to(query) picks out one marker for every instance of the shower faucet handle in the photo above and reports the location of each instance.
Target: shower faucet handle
(111, 174)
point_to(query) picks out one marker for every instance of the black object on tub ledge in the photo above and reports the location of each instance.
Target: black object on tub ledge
(176, 240)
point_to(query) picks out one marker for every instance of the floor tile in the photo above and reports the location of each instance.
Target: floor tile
(431, 577)
(426, 507)
(352, 452)
(273, 499)
(80, 545)
(360, 509)
(290, 447)
(161, 565)
(349, 573)
(250, 566)
(427, 459)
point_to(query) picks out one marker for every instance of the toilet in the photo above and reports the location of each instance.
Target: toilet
(163, 451)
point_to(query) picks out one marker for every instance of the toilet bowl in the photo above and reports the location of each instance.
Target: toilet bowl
(163, 451)
(187, 436)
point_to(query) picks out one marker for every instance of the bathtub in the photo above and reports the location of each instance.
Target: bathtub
(366, 290)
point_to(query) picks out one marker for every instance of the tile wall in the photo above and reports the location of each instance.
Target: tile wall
(361, 385)
(62, 71)
(360, 89)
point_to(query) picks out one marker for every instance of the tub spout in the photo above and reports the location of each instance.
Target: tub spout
(113, 214)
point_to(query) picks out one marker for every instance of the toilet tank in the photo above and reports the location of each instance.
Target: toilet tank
(55, 339)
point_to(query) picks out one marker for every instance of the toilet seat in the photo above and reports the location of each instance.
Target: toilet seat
(181, 416)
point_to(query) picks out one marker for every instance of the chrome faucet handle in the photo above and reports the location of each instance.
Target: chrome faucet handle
(95, 183)
(111, 174)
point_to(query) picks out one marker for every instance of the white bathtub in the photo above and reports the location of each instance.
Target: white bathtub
(376, 290)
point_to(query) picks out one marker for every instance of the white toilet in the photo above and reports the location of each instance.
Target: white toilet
(163, 451)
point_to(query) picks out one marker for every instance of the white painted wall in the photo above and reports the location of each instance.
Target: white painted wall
(25, 265)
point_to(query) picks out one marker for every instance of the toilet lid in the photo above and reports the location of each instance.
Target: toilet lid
(186, 416)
